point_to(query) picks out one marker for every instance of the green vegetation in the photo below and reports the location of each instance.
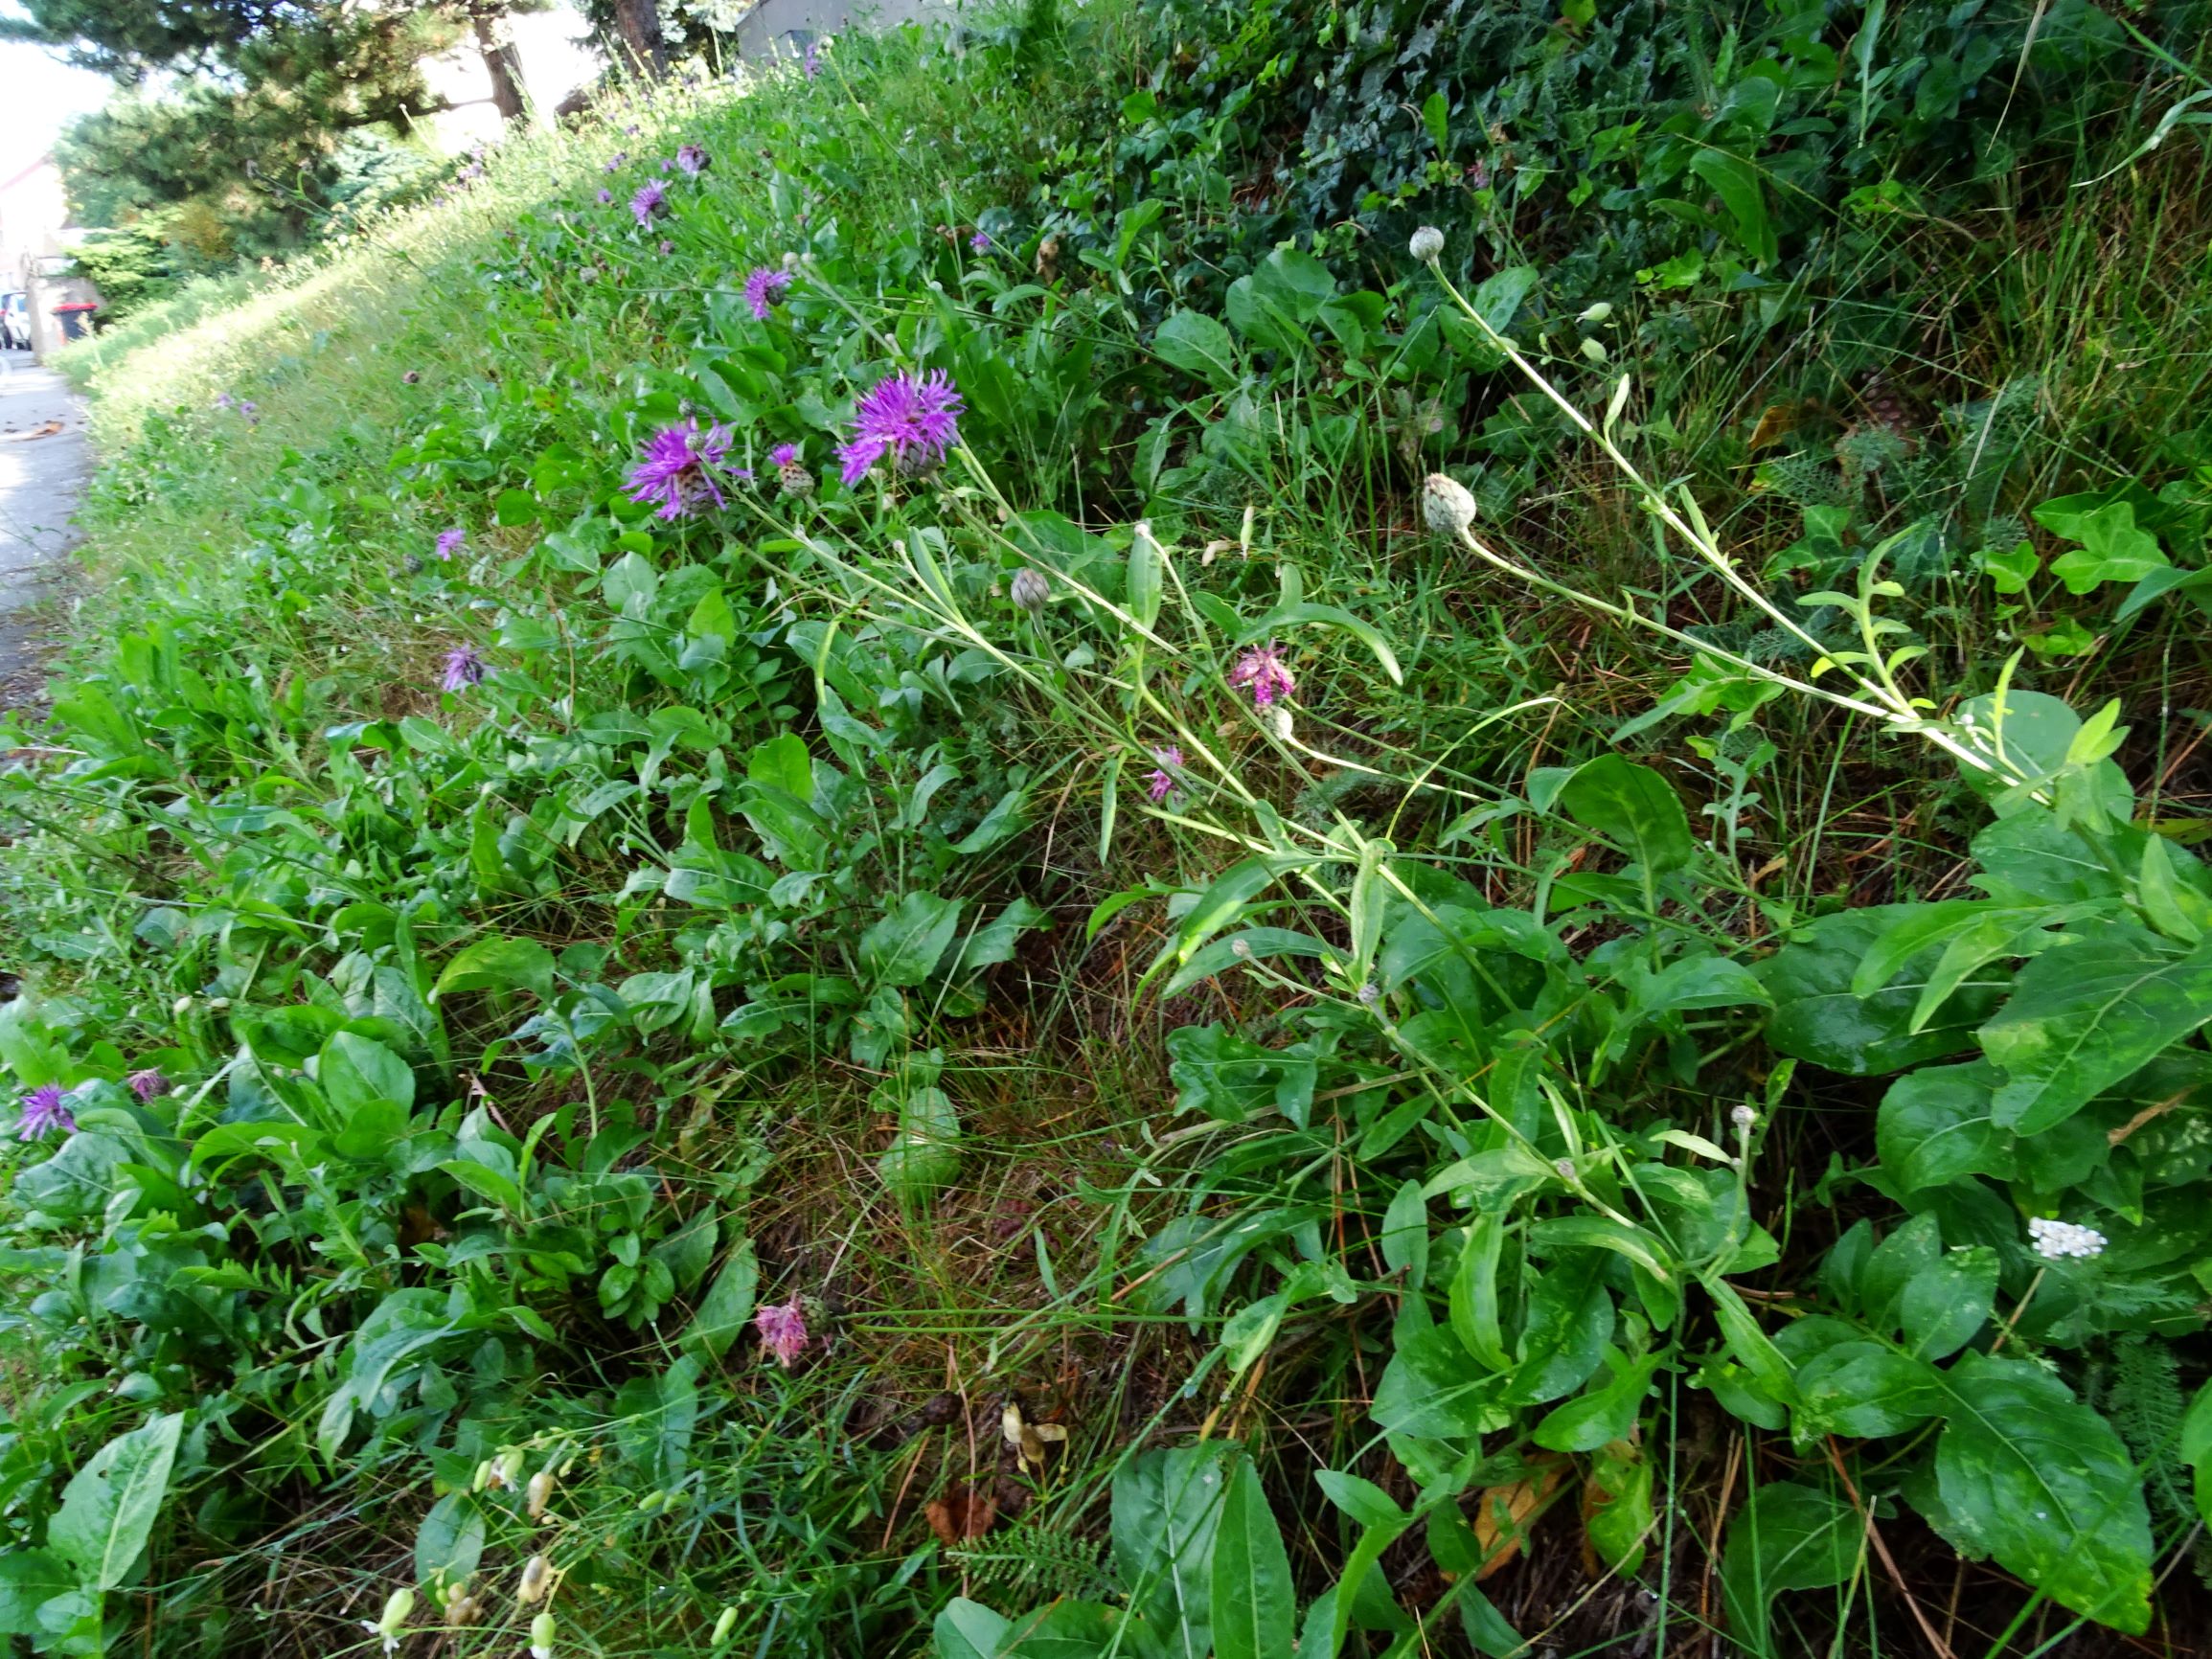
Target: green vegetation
(1479, 939)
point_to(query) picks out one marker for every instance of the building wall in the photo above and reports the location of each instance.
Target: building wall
(783, 27)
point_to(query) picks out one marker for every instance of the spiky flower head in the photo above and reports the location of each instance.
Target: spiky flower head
(1426, 244)
(693, 159)
(1031, 590)
(764, 288)
(811, 63)
(2060, 1240)
(148, 1084)
(1447, 505)
(605, 196)
(1162, 783)
(614, 161)
(783, 455)
(650, 201)
(913, 420)
(45, 1110)
(783, 1331)
(464, 669)
(979, 242)
(451, 541)
(680, 468)
(1261, 672)
(666, 247)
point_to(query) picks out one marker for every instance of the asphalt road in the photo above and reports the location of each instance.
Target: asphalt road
(44, 461)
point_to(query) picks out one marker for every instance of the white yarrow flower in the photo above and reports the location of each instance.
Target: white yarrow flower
(2061, 1241)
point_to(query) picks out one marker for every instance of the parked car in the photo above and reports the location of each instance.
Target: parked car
(16, 321)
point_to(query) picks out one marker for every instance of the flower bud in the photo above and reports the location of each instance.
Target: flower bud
(1427, 243)
(508, 1471)
(1744, 1118)
(1594, 350)
(536, 1573)
(542, 1630)
(1596, 313)
(1447, 505)
(723, 1625)
(541, 1494)
(1279, 721)
(397, 1606)
(1031, 590)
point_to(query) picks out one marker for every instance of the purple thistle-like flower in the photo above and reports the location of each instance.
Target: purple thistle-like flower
(980, 242)
(1262, 670)
(679, 468)
(451, 541)
(251, 409)
(783, 455)
(650, 201)
(666, 247)
(605, 196)
(811, 63)
(614, 161)
(44, 1112)
(225, 401)
(916, 421)
(148, 1084)
(464, 669)
(1161, 784)
(764, 288)
(783, 1331)
(693, 159)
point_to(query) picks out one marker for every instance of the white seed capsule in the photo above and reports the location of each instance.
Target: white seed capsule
(1427, 243)
(1446, 503)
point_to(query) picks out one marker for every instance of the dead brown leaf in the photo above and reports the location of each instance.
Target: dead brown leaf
(963, 1513)
(1501, 1515)
(1778, 421)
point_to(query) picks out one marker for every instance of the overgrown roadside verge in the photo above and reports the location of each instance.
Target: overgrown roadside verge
(841, 871)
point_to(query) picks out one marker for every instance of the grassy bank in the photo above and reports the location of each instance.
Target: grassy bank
(1464, 941)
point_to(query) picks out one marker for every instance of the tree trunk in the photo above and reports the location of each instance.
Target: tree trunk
(638, 22)
(503, 63)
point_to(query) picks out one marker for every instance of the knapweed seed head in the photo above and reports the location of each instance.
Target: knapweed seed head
(681, 468)
(1031, 590)
(764, 290)
(148, 1084)
(2063, 1241)
(914, 420)
(45, 1109)
(1447, 505)
(1280, 724)
(1426, 244)
(1261, 671)
(1744, 1119)
(464, 669)
(783, 1331)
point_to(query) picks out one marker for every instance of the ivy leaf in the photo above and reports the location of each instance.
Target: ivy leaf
(2032, 1477)
(2113, 549)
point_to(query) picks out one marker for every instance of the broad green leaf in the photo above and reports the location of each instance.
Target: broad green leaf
(500, 963)
(2083, 1016)
(28, 1579)
(2113, 547)
(449, 1543)
(925, 1157)
(728, 1304)
(2033, 1478)
(1475, 1294)
(2196, 1449)
(904, 945)
(1196, 343)
(1228, 1079)
(783, 763)
(1405, 1239)
(1785, 1537)
(653, 1420)
(1736, 182)
(1289, 616)
(1365, 1502)
(1617, 1505)
(1864, 1389)
(109, 1507)
(1745, 1340)
(1254, 1607)
(1816, 1016)
(357, 1072)
(1934, 1127)
(969, 1630)
(1428, 1390)
(1635, 809)
(1252, 945)
(1166, 1513)
(1603, 1415)
(1570, 1319)
(1948, 1301)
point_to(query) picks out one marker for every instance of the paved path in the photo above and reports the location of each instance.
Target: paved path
(44, 461)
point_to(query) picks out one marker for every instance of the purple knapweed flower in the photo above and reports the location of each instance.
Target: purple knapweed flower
(225, 401)
(783, 455)
(631, 130)
(692, 159)
(44, 1112)
(980, 242)
(614, 161)
(1161, 784)
(605, 196)
(666, 247)
(679, 468)
(451, 541)
(148, 1084)
(650, 201)
(251, 409)
(783, 1331)
(811, 63)
(764, 288)
(916, 421)
(464, 669)
(1262, 670)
